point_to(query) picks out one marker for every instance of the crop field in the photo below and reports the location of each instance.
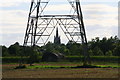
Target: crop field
(53, 70)
(65, 69)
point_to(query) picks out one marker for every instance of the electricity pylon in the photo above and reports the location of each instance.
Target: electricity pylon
(40, 25)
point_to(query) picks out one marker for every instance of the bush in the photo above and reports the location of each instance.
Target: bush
(13, 59)
(20, 67)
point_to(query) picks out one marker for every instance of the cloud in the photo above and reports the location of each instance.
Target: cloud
(100, 14)
(103, 23)
(62, 7)
(9, 3)
(8, 39)
(12, 21)
(12, 26)
(100, 8)
(94, 31)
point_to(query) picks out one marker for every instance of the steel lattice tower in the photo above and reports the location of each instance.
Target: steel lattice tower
(40, 26)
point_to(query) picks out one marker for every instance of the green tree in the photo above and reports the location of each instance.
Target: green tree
(104, 44)
(14, 49)
(90, 52)
(116, 51)
(109, 53)
(33, 56)
(97, 51)
(5, 51)
(49, 47)
(74, 48)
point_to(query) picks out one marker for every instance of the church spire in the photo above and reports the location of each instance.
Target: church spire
(57, 37)
(57, 32)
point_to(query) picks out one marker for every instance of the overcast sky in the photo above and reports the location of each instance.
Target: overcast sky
(100, 18)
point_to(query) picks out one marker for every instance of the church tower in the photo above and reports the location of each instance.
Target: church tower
(57, 37)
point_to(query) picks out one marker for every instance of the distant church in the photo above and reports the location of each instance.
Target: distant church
(57, 37)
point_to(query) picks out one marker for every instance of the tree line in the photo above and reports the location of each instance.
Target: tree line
(96, 47)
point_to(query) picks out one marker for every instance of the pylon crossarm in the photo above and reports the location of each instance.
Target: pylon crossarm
(55, 17)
